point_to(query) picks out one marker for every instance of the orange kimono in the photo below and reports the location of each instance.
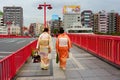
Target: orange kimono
(63, 44)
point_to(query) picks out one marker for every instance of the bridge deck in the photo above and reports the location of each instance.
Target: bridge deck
(80, 66)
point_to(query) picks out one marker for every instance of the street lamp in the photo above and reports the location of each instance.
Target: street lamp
(48, 6)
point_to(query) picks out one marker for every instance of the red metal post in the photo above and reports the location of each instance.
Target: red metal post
(45, 14)
(45, 6)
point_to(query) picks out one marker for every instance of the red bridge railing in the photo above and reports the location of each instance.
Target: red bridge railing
(103, 46)
(12, 63)
(13, 36)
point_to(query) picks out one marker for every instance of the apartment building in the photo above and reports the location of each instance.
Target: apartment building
(13, 14)
(35, 29)
(102, 22)
(86, 18)
(94, 22)
(71, 15)
(69, 19)
(117, 23)
(112, 22)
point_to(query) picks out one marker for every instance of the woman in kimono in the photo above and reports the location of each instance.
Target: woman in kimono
(63, 45)
(44, 48)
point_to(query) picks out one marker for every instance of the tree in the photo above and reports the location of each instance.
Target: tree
(1, 13)
(55, 31)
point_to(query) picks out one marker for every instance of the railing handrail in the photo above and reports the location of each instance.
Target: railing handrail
(106, 47)
(13, 62)
(13, 36)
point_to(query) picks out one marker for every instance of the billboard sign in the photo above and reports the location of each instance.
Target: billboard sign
(55, 17)
(71, 9)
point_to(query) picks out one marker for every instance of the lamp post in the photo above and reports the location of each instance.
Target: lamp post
(48, 6)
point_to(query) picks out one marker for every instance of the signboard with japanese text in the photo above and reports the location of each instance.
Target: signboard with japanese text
(71, 9)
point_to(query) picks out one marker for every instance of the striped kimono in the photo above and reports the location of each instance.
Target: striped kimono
(44, 46)
(63, 44)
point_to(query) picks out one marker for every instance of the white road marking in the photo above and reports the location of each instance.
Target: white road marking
(20, 41)
(6, 52)
(8, 41)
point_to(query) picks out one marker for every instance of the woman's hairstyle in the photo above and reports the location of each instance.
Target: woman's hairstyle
(61, 30)
(45, 30)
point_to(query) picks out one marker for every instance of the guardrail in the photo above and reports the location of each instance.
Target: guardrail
(103, 46)
(13, 36)
(12, 63)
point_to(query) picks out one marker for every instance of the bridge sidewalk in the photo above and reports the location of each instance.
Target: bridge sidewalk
(80, 66)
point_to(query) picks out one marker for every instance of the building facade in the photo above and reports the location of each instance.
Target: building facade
(3, 30)
(1, 20)
(112, 22)
(13, 14)
(71, 15)
(102, 22)
(86, 18)
(14, 30)
(69, 19)
(35, 29)
(94, 22)
(117, 23)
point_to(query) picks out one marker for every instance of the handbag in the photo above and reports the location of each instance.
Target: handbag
(36, 58)
(57, 58)
(49, 49)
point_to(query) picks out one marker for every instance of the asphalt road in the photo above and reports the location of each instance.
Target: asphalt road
(10, 45)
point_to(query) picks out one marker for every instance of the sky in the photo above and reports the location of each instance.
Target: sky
(31, 14)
